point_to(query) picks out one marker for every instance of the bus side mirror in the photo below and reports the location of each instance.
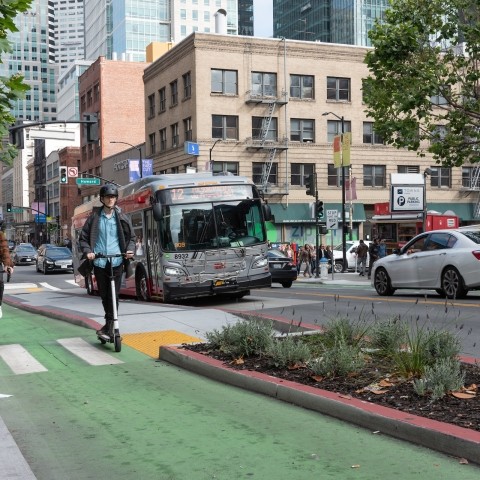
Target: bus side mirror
(267, 212)
(157, 212)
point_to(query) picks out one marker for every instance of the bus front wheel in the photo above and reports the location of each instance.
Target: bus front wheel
(141, 286)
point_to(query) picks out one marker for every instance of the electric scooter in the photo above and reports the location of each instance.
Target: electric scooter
(114, 334)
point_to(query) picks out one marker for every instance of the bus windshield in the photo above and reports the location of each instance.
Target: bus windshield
(205, 226)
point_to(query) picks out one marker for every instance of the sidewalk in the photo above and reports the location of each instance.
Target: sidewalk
(149, 327)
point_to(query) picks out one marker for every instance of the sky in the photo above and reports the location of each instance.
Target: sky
(263, 18)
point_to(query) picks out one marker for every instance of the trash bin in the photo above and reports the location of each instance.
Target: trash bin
(323, 268)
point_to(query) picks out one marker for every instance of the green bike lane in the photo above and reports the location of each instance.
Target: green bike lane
(146, 419)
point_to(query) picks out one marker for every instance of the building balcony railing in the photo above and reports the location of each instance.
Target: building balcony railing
(262, 144)
(255, 97)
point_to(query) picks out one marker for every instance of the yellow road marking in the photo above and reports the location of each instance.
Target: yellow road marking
(150, 342)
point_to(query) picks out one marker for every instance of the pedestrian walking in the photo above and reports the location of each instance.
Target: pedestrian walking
(306, 258)
(6, 263)
(373, 252)
(362, 251)
(382, 248)
(108, 231)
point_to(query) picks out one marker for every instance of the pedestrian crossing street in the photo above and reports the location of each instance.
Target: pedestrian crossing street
(21, 362)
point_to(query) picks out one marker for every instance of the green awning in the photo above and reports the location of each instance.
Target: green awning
(303, 212)
(462, 210)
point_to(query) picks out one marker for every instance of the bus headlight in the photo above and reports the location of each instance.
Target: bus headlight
(173, 271)
(260, 263)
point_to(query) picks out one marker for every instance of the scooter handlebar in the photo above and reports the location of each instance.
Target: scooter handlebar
(104, 255)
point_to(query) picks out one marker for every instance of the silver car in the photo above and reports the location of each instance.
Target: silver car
(447, 261)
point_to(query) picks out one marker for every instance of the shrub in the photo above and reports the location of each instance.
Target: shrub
(338, 360)
(443, 376)
(242, 339)
(344, 331)
(388, 336)
(288, 351)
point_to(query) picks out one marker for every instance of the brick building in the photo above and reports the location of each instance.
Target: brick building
(269, 109)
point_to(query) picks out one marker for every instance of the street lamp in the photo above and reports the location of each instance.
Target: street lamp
(140, 160)
(344, 232)
(426, 173)
(210, 157)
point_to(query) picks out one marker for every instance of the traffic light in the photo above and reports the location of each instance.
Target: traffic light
(90, 127)
(9, 207)
(319, 209)
(63, 175)
(323, 230)
(310, 184)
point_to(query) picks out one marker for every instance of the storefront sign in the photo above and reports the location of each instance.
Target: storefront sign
(405, 198)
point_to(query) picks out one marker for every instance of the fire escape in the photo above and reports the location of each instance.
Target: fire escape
(263, 143)
(475, 186)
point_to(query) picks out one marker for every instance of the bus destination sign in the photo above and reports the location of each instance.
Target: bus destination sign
(209, 193)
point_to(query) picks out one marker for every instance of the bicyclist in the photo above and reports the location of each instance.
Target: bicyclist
(107, 231)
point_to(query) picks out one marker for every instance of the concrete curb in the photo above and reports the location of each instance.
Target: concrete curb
(442, 437)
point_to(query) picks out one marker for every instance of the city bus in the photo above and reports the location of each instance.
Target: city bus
(196, 235)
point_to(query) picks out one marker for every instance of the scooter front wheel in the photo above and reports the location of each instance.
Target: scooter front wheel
(117, 340)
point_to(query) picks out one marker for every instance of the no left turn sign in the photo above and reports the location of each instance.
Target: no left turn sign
(72, 172)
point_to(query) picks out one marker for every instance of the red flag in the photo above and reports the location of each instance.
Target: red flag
(351, 189)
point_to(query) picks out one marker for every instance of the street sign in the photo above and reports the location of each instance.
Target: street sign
(17, 210)
(192, 148)
(332, 219)
(72, 172)
(88, 181)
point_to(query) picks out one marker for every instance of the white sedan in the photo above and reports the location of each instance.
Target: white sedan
(447, 261)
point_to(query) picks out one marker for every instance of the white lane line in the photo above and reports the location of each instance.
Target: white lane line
(14, 286)
(19, 360)
(73, 282)
(50, 287)
(87, 352)
(4, 395)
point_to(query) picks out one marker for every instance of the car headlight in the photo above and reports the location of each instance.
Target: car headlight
(173, 271)
(260, 262)
(50, 262)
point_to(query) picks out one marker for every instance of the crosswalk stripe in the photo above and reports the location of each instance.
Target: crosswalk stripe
(19, 360)
(84, 350)
(50, 287)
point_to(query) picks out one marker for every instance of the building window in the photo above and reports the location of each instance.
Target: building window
(264, 128)
(224, 81)
(438, 133)
(225, 127)
(259, 170)
(163, 139)
(162, 95)
(468, 177)
(302, 130)
(408, 169)
(334, 128)
(301, 86)
(174, 131)
(334, 175)
(264, 84)
(369, 134)
(151, 105)
(338, 89)
(439, 99)
(151, 141)
(187, 128)
(441, 177)
(299, 171)
(374, 175)
(230, 167)
(187, 85)
(174, 93)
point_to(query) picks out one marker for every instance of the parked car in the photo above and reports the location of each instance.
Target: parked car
(54, 259)
(282, 268)
(24, 254)
(351, 248)
(447, 261)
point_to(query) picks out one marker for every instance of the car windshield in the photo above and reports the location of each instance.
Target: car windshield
(57, 251)
(276, 253)
(26, 249)
(340, 247)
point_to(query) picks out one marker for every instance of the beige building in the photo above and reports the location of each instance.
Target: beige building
(270, 109)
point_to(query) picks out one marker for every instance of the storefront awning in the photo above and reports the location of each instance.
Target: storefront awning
(303, 212)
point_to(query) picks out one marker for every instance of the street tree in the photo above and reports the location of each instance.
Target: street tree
(423, 91)
(12, 88)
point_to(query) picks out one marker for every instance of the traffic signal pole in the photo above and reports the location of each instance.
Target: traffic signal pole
(316, 230)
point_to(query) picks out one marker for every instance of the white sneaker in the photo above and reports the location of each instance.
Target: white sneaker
(1, 314)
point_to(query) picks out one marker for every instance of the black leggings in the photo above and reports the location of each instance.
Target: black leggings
(104, 288)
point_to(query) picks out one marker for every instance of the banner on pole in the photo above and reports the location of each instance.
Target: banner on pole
(337, 151)
(346, 143)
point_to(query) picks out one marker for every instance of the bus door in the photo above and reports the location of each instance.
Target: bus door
(153, 252)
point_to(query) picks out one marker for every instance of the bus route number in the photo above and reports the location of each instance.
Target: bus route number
(180, 256)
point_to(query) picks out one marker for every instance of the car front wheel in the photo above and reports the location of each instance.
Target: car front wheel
(452, 283)
(382, 283)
